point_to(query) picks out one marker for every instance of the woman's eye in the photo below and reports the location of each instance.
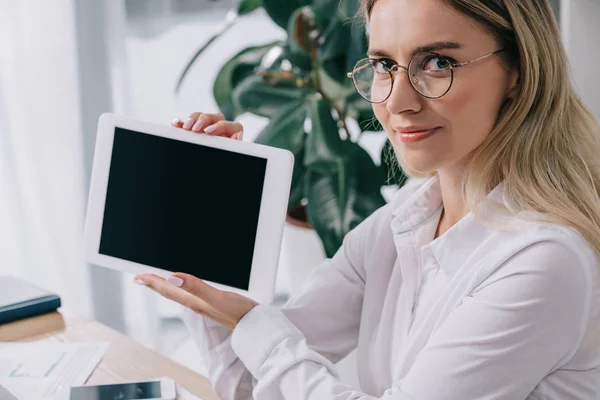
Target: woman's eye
(381, 66)
(436, 63)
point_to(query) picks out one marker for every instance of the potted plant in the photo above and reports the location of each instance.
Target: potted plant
(301, 85)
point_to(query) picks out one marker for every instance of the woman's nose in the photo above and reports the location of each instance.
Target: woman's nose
(403, 98)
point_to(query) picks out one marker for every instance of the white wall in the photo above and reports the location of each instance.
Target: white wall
(155, 64)
(580, 24)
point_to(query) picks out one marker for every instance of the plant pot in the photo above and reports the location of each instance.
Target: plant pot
(301, 251)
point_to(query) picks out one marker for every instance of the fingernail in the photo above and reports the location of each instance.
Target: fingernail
(241, 135)
(175, 281)
(140, 282)
(198, 125)
(188, 123)
(176, 121)
(210, 128)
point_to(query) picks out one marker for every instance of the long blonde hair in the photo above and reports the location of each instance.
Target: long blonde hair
(545, 146)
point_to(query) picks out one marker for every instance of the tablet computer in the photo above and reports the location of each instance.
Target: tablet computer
(164, 199)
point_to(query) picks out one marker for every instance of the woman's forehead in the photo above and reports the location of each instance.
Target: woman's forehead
(400, 26)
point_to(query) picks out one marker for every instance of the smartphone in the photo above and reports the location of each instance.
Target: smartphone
(160, 389)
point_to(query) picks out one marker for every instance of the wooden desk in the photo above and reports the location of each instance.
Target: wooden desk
(124, 361)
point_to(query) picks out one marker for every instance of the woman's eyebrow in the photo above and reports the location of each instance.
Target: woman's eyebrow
(431, 47)
(437, 46)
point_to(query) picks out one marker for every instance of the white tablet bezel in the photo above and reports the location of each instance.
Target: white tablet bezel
(272, 213)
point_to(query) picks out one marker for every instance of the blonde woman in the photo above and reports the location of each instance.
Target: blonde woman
(479, 280)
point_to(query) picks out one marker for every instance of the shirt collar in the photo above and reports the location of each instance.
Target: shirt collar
(455, 246)
(418, 207)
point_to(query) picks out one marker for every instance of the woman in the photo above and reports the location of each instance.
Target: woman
(479, 280)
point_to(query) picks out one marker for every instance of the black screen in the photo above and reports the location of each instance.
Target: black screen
(124, 391)
(182, 207)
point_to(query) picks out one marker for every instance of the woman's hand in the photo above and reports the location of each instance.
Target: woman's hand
(212, 124)
(226, 308)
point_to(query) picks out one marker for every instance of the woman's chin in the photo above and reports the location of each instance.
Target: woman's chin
(419, 162)
(419, 166)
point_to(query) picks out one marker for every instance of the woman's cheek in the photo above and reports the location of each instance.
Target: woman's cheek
(382, 115)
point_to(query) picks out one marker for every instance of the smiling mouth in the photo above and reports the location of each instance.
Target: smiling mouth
(417, 136)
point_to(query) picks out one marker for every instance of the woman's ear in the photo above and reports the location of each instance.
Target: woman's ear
(513, 83)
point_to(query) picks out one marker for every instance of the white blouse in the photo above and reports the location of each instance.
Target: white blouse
(478, 313)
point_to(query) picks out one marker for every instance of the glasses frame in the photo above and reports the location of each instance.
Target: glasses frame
(397, 67)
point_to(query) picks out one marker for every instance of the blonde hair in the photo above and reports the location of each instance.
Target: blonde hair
(545, 145)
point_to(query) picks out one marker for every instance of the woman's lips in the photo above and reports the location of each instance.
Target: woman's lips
(417, 136)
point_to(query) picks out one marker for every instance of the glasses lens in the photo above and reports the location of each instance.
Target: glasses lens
(430, 74)
(373, 80)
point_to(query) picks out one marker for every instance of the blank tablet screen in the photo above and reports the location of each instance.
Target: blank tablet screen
(182, 207)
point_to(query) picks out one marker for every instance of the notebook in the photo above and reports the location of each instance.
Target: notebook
(20, 299)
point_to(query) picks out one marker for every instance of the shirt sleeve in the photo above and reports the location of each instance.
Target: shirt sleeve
(522, 323)
(329, 324)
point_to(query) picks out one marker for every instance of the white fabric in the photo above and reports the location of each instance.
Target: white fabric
(42, 185)
(478, 313)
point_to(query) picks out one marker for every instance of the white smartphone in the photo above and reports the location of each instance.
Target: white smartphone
(160, 389)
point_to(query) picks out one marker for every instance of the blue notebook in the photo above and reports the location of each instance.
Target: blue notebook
(20, 299)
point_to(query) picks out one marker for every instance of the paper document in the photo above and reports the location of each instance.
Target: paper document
(6, 395)
(40, 370)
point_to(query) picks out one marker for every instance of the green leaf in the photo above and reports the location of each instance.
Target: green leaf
(362, 111)
(324, 144)
(286, 131)
(349, 8)
(301, 25)
(339, 201)
(370, 177)
(297, 57)
(323, 210)
(336, 92)
(234, 71)
(298, 186)
(336, 68)
(336, 41)
(254, 95)
(358, 43)
(247, 6)
(280, 11)
(390, 167)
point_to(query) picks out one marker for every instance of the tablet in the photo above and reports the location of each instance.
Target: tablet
(163, 200)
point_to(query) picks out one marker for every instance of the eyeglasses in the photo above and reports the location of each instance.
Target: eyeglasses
(430, 74)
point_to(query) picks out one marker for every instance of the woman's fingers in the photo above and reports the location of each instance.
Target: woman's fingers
(196, 287)
(212, 124)
(224, 128)
(224, 307)
(199, 301)
(172, 292)
(178, 287)
(197, 121)
(160, 286)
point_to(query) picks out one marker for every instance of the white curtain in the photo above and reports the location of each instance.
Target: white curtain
(42, 191)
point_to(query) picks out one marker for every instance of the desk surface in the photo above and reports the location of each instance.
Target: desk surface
(125, 360)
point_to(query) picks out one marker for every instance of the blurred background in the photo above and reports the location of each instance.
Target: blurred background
(64, 62)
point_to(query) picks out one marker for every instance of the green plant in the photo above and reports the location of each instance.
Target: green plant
(300, 84)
